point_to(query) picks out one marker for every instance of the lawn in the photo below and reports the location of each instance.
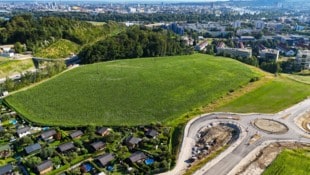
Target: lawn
(290, 162)
(11, 67)
(272, 97)
(60, 49)
(131, 92)
(301, 78)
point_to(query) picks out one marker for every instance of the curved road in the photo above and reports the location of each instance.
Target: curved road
(230, 159)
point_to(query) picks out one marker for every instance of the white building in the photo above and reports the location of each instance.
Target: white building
(237, 24)
(7, 51)
(22, 132)
(233, 52)
(303, 59)
(259, 24)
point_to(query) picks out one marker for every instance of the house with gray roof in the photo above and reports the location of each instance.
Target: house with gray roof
(137, 157)
(76, 134)
(103, 160)
(21, 132)
(32, 148)
(66, 147)
(96, 146)
(48, 135)
(132, 142)
(102, 131)
(44, 167)
(152, 133)
(6, 169)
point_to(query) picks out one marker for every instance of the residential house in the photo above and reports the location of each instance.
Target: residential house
(76, 134)
(5, 151)
(137, 157)
(303, 59)
(103, 160)
(269, 55)
(152, 133)
(44, 167)
(66, 147)
(21, 132)
(6, 169)
(96, 146)
(32, 148)
(201, 46)
(102, 131)
(48, 135)
(132, 142)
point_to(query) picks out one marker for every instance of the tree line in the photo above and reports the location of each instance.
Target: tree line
(153, 17)
(135, 42)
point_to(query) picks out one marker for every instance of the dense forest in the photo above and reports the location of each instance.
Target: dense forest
(40, 32)
(135, 42)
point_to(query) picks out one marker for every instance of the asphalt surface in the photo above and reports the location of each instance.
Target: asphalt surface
(228, 160)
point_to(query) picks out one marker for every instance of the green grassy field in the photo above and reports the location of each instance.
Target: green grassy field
(131, 92)
(272, 97)
(60, 49)
(300, 78)
(11, 67)
(290, 162)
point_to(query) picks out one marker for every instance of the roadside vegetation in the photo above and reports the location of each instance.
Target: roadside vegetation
(60, 49)
(50, 36)
(11, 67)
(272, 97)
(290, 162)
(132, 92)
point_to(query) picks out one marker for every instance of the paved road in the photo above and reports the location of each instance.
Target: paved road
(230, 159)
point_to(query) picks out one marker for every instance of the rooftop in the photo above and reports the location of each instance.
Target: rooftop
(137, 156)
(23, 130)
(6, 169)
(133, 140)
(48, 133)
(274, 51)
(66, 147)
(44, 165)
(77, 133)
(102, 130)
(97, 145)
(151, 133)
(105, 159)
(31, 148)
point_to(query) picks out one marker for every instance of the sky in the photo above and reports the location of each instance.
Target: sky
(161, 0)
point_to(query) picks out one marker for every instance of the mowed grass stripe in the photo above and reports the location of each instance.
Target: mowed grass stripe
(131, 92)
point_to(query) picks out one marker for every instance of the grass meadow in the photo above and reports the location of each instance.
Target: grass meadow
(131, 92)
(11, 67)
(60, 49)
(272, 97)
(290, 162)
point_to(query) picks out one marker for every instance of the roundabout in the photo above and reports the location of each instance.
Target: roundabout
(270, 126)
(256, 131)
